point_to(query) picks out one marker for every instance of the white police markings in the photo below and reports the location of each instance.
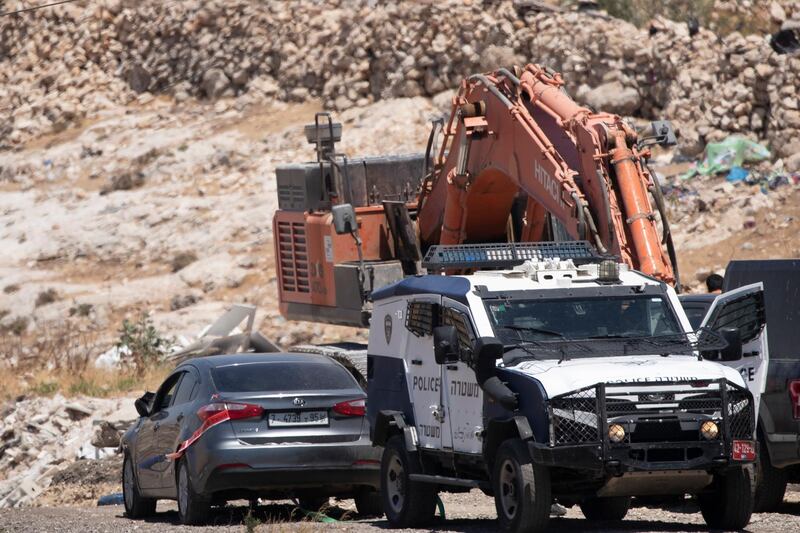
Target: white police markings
(426, 383)
(748, 373)
(466, 389)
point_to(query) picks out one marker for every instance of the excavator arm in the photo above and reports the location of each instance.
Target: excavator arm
(512, 136)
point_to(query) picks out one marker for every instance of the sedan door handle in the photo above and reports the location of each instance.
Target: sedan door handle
(180, 417)
(452, 367)
(416, 362)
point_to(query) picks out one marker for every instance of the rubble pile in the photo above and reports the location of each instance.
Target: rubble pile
(735, 84)
(708, 211)
(41, 436)
(58, 65)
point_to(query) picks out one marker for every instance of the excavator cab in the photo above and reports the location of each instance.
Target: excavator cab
(343, 227)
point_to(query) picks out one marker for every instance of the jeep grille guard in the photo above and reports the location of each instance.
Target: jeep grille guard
(675, 408)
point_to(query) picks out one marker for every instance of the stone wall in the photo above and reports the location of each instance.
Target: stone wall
(60, 64)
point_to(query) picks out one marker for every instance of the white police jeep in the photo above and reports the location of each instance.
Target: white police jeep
(577, 381)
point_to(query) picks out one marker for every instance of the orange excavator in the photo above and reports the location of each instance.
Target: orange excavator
(519, 161)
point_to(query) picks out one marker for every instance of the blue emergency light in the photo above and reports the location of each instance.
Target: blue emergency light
(505, 255)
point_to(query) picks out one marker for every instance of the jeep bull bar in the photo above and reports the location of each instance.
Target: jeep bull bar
(650, 426)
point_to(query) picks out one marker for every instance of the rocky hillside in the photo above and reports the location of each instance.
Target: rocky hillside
(62, 64)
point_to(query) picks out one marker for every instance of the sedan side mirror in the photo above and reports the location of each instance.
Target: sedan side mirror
(445, 344)
(733, 351)
(142, 404)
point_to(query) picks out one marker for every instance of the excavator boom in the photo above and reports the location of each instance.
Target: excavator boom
(511, 136)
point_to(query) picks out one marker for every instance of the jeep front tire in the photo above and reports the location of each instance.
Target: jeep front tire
(729, 502)
(406, 503)
(521, 489)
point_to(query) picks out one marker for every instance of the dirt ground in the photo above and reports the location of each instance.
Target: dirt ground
(774, 235)
(470, 512)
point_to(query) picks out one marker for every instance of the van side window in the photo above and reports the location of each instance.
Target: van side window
(421, 318)
(451, 317)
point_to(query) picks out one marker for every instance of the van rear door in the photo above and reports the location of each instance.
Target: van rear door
(743, 308)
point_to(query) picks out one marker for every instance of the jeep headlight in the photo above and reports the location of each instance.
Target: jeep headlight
(709, 430)
(616, 433)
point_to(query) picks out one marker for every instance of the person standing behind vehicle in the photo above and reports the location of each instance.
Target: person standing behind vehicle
(714, 283)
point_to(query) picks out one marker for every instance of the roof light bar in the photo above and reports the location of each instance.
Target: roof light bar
(505, 255)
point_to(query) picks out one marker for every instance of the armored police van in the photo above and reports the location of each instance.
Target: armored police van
(557, 376)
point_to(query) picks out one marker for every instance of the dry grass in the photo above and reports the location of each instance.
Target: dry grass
(58, 357)
(89, 381)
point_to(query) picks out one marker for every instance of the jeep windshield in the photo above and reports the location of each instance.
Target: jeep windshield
(588, 326)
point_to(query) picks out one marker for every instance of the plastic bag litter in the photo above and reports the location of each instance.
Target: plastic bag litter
(111, 499)
(737, 174)
(732, 152)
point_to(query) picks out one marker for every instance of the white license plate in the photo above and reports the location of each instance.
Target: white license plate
(301, 418)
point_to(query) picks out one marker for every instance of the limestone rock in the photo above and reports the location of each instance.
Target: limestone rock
(613, 97)
(215, 83)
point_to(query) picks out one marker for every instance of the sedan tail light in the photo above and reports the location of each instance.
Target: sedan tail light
(357, 407)
(234, 411)
(794, 395)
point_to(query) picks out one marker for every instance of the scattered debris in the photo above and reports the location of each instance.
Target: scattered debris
(90, 471)
(225, 336)
(112, 358)
(111, 499)
(77, 411)
(730, 153)
(737, 173)
(40, 436)
(106, 435)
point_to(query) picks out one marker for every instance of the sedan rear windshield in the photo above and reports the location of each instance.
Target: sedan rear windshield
(278, 377)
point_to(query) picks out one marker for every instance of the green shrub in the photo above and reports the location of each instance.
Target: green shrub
(46, 297)
(147, 347)
(45, 388)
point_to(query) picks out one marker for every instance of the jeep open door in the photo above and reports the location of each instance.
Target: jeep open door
(743, 309)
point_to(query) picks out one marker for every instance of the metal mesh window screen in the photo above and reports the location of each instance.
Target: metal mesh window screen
(745, 313)
(451, 317)
(420, 318)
